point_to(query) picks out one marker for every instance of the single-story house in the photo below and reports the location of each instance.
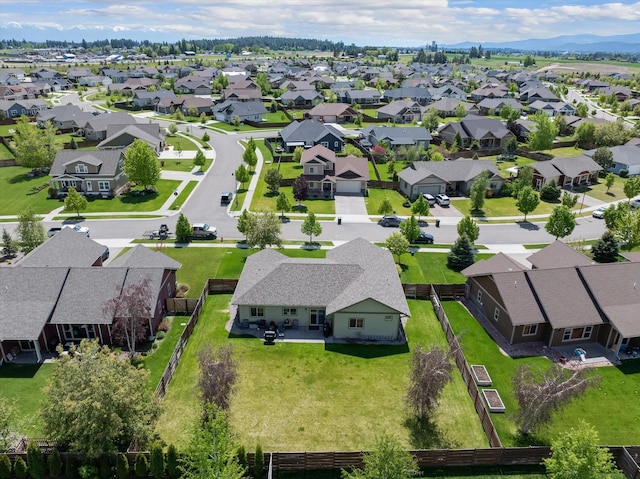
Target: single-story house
(599, 302)
(64, 117)
(419, 95)
(228, 110)
(495, 105)
(355, 290)
(552, 108)
(301, 98)
(567, 172)
(447, 106)
(328, 174)
(490, 133)
(149, 99)
(17, 108)
(397, 137)
(332, 113)
(308, 133)
(121, 136)
(362, 97)
(625, 157)
(95, 129)
(400, 111)
(435, 177)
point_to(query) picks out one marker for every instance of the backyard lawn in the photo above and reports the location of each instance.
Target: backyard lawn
(308, 396)
(618, 392)
(14, 185)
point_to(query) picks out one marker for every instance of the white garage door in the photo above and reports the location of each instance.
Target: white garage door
(348, 187)
(434, 190)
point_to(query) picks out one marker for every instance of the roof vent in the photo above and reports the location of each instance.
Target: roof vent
(515, 284)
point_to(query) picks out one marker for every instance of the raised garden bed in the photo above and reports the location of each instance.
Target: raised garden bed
(480, 375)
(493, 400)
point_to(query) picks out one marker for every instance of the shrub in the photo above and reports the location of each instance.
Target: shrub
(160, 335)
(88, 471)
(241, 454)
(122, 467)
(20, 468)
(206, 136)
(624, 173)
(550, 192)
(141, 468)
(506, 189)
(164, 326)
(156, 461)
(70, 468)
(35, 461)
(105, 468)
(54, 463)
(172, 462)
(258, 463)
(5, 467)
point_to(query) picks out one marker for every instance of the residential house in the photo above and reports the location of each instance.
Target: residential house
(490, 133)
(64, 117)
(241, 94)
(396, 137)
(328, 174)
(419, 95)
(229, 110)
(121, 136)
(436, 177)
(447, 91)
(97, 172)
(95, 128)
(149, 99)
(308, 133)
(361, 97)
(400, 111)
(598, 304)
(332, 113)
(17, 108)
(552, 108)
(94, 80)
(446, 107)
(355, 291)
(491, 90)
(567, 172)
(305, 98)
(193, 85)
(13, 92)
(493, 106)
(72, 291)
(537, 93)
(625, 157)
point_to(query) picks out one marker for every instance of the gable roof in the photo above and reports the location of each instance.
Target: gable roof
(308, 130)
(67, 248)
(142, 257)
(398, 135)
(351, 168)
(449, 171)
(498, 263)
(557, 255)
(107, 159)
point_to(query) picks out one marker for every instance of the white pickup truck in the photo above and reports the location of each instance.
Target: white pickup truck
(80, 229)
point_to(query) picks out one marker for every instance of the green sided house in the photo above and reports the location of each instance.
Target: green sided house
(354, 292)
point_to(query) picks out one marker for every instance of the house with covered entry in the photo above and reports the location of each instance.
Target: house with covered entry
(355, 291)
(328, 174)
(598, 304)
(625, 157)
(567, 172)
(332, 113)
(490, 133)
(308, 133)
(400, 111)
(396, 137)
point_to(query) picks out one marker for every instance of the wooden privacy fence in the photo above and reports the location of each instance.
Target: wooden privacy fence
(423, 290)
(465, 370)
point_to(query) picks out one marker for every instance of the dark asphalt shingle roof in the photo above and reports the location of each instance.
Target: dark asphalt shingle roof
(142, 257)
(67, 248)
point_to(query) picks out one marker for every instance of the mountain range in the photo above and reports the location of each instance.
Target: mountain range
(582, 43)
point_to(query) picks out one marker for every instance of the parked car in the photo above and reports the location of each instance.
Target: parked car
(442, 200)
(599, 213)
(430, 198)
(390, 220)
(424, 238)
(225, 198)
(635, 203)
(203, 231)
(77, 228)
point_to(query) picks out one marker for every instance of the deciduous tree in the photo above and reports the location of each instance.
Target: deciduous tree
(385, 208)
(609, 181)
(33, 147)
(242, 175)
(131, 310)
(250, 158)
(263, 230)
(300, 189)
(585, 134)
(632, 187)
(183, 228)
(539, 395)
(611, 133)
(283, 205)
(311, 226)
(75, 201)
(431, 120)
(604, 157)
(141, 164)
(218, 374)
(420, 207)
(544, 134)
(387, 460)
(410, 229)
(468, 226)
(479, 191)
(7, 418)
(569, 200)
(97, 403)
(272, 178)
(460, 111)
(30, 231)
(525, 178)
(199, 159)
(430, 372)
(397, 244)
(527, 201)
(561, 222)
(297, 154)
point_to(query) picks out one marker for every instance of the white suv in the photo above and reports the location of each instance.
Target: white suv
(442, 200)
(429, 198)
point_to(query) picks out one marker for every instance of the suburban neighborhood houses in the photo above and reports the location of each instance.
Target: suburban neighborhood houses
(320, 251)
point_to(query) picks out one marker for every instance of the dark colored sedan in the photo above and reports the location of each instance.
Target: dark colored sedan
(424, 238)
(390, 220)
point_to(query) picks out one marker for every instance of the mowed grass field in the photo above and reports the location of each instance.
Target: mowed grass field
(301, 396)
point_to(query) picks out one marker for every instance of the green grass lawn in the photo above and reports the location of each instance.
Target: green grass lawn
(566, 151)
(185, 164)
(599, 190)
(301, 396)
(501, 206)
(376, 196)
(14, 185)
(185, 143)
(288, 169)
(431, 268)
(611, 407)
(225, 127)
(184, 195)
(157, 359)
(5, 153)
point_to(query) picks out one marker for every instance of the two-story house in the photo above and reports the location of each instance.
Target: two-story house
(328, 174)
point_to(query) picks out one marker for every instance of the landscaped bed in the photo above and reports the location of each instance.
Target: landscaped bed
(480, 375)
(493, 400)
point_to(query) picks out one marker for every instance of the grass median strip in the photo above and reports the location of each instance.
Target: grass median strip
(183, 196)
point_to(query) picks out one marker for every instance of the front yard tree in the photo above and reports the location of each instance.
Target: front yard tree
(576, 453)
(199, 159)
(97, 403)
(569, 200)
(131, 312)
(431, 120)
(218, 374)
(604, 157)
(250, 158)
(385, 208)
(561, 222)
(430, 373)
(539, 395)
(283, 205)
(173, 129)
(264, 230)
(33, 147)
(9, 248)
(544, 134)
(141, 164)
(30, 231)
(397, 245)
(606, 249)
(461, 254)
(410, 229)
(75, 201)
(420, 207)
(242, 175)
(300, 189)
(524, 179)
(468, 226)
(632, 187)
(609, 181)
(387, 460)
(272, 178)
(244, 222)
(527, 201)
(183, 228)
(478, 191)
(311, 226)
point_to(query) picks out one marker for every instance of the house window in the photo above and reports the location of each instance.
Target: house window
(388, 318)
(312, 170)
(316, 317)
(356, 323)
(336, 144)
(289, 311)
(328, 166)
(577, 334)
(496, 314)
(325, 144)
(89, 186)
(103, 185)
(257, 312)
(530, 330)
(78, 331)
(479, 297)
(313, 185)
(81, 168)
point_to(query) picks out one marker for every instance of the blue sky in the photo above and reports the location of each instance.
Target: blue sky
(363, 22)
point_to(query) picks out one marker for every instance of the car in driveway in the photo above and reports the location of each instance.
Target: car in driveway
(443, 200)
(203, 231)
(424, 238)
(599, 213)
(429, 198)
(390, 220)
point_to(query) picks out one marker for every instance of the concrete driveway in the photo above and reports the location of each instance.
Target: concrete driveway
(351, 207)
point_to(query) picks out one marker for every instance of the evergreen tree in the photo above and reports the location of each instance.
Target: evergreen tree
(606, 249)
(172, 462)
(9, 248)
(258, 463)
(35, 461)
(5, 467)
(156, 461)
(54, 463)
(122, 467)
(20, 469)
(141, 467)
(461, 255)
